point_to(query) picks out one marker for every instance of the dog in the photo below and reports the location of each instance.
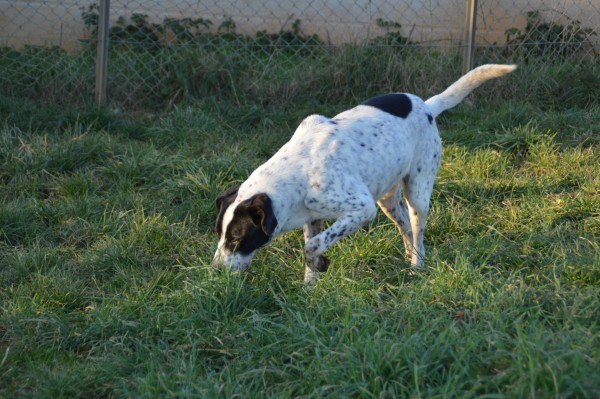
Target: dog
(385, 151)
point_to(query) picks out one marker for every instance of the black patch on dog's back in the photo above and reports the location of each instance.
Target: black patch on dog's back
(397, 104)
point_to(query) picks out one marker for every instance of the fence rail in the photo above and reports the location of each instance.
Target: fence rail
(53, 50)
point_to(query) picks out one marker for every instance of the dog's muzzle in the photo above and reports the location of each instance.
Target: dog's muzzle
(233, 261)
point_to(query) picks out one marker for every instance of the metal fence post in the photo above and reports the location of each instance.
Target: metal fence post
(470, 26)
(102, 52)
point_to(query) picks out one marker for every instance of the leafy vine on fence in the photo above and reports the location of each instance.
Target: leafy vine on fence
(542, 38)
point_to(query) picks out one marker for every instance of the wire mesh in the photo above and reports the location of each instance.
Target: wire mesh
(164, 50)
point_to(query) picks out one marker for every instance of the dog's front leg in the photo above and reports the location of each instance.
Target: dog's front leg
(311, 271)
(342, 227)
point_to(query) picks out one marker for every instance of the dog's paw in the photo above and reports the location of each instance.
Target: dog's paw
(311, 277)
(323, 264)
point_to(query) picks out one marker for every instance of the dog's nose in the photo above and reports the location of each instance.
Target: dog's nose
(216, 262)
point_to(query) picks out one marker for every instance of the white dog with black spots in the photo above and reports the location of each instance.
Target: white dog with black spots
(385, 151)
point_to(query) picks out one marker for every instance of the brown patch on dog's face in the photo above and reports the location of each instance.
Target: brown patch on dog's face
(251, 226)
(244, 230)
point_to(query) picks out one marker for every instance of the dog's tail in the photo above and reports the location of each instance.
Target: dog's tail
(465, 85)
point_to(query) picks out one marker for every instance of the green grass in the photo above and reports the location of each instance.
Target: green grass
(106, 235)
(142, 78)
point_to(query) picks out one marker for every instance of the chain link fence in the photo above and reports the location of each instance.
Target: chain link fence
(161, 51)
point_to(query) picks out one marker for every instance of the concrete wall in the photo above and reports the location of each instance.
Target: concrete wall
(440, 22)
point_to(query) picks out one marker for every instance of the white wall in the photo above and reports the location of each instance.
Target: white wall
(54, 22)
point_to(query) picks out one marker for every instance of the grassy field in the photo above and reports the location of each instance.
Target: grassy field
(106, 234)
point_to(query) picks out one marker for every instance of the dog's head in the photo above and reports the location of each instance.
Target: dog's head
(242, 227)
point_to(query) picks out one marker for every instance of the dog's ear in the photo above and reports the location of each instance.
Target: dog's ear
(264, 206)
(223, 201)
(261, 211)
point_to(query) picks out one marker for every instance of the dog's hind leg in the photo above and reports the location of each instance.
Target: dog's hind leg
(393, 206)
(418, 193)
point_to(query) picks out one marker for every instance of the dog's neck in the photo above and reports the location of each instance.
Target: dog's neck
(288, 208)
